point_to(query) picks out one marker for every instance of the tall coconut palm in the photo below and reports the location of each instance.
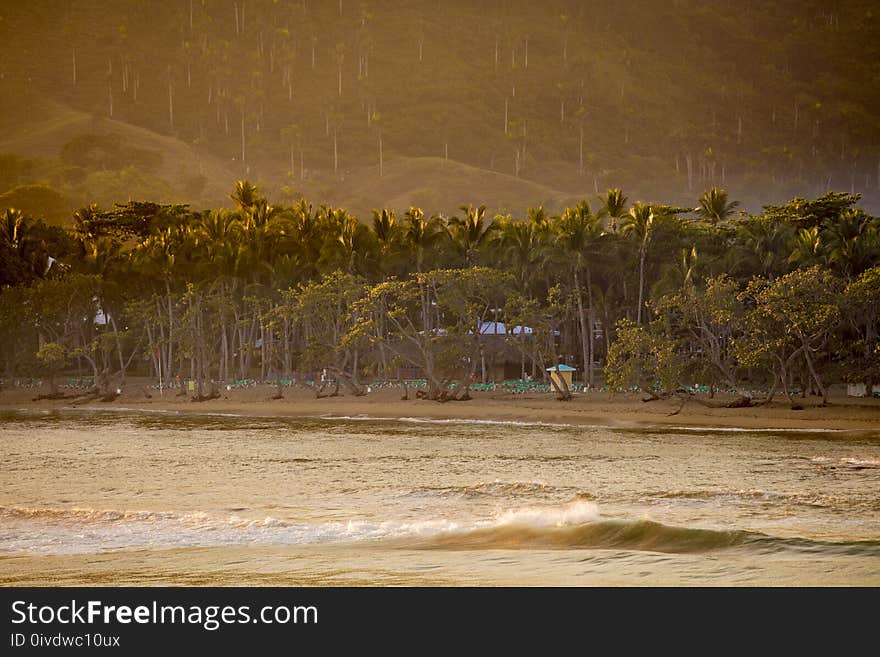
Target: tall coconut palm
(638, 224)
(714, 206)
(421, 234)
(613, 207)
(578, 233)
(345, 240)
(387, 234)
(245, 195)
(471, 232)
(522, 246)
(298, 233)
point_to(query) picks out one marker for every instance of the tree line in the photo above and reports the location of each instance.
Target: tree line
(638, 295)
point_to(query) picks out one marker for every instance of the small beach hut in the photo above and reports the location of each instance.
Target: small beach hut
(562, 373)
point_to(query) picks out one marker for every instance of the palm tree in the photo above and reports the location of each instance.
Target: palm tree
(639, 223)
(83, 223)
(421, 234)
(761, 247)
(613, 207)
(806, 247)
(387, 235)
(714, 206)
(471, 232)
(852, 242)
(523, 245)
(579, 232)
(344, 240)
(29, 252)
(223, 258)
(218, 235)
(298, 233)
(245, 195)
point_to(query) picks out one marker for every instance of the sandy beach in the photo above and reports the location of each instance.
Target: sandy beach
(593, 408)
(523, 490)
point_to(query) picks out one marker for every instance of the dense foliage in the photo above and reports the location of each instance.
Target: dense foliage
(659, 296)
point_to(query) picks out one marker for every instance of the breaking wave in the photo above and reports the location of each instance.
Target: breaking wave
(577, 524)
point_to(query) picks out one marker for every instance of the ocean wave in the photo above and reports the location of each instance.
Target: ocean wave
(848, 462)
(577, 524)
(637, 535)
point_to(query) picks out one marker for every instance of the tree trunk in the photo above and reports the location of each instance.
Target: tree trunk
(170, 360)
(583, 322)
(642, 254)
(589, 372)
(822, 390)
(119, 352)
(224, 350)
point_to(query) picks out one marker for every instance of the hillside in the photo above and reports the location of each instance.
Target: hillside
(664, 99)
(174, 172)
(436, 185)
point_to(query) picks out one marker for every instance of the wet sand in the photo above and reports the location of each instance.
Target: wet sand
(592, 408)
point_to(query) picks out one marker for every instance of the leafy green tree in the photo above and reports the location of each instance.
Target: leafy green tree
(327, 313)
(710, 320)
(52, 357)
(450, 348)
(545, 317)
(862, 310)
(645, 358)
(791, 319)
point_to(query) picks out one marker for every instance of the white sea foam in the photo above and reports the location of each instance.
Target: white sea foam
(574, 513)
(714, 429)
(475, 421)
(847, 461)
(72, 531)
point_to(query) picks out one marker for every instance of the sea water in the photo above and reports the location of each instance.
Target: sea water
(121, 498)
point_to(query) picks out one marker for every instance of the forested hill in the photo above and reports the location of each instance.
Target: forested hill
(664, 98)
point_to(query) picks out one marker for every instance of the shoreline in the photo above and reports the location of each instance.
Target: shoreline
(593, 409)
